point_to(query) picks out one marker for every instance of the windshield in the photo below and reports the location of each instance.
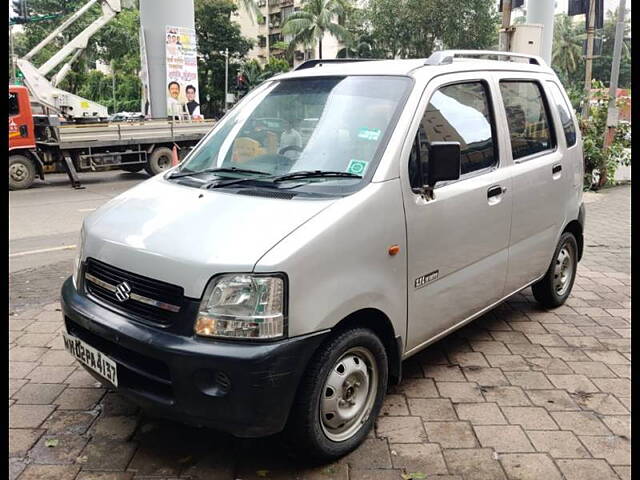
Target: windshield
(313, 124)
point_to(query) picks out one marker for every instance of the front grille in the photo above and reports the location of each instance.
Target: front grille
(150, 300)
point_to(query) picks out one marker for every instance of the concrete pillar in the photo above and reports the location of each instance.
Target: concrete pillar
(155, 15)
(541, 12)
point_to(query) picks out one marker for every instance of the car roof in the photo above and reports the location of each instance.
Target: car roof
(409, 67)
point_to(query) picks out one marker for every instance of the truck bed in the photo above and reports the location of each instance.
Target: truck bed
(111, 134)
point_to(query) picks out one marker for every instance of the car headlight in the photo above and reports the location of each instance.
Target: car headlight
(244, 306)
(78, 262)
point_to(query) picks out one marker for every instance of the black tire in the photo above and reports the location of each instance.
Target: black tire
(22, 172)
(304, 432)
(546, 290)
(159, 161)
(132, 168)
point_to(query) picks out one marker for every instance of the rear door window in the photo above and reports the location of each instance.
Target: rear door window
(564, 111)
(528, 118)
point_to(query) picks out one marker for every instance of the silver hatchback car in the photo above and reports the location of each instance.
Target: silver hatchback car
(276, 279)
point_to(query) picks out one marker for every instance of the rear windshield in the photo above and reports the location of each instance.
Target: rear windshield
(308, 124)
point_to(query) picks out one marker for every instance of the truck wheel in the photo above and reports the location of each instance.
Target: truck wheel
(555, 287)
(339, 397)
(159, 161)
(132, 168)
(22, 172)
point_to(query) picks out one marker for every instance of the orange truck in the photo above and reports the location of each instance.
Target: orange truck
(42, 143)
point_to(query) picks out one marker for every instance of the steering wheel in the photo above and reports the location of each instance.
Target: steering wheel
(266, 162)
(289, 148)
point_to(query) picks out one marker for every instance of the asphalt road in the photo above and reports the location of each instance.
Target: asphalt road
(45, 220)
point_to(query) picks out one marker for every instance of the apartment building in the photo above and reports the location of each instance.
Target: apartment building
(268, 36)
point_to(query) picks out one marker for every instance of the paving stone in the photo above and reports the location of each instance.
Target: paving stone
(567, 353)
(57, 358)
(26, 354)
(527, 350)
(591, 369)
(546, 340)
(82, 379)
(509, 438)
(450, 434)
(373, 453)
(529, 466)
(417, 388)
(563, 330)
(505, 396)
(603, 403)
(529, 418)
(107, 454)
(573, 383)
(494, 348)
(528, 327)
(50, 472)
(559, 444)
(508, 362)
(444, 373)
(401, 429)
(528, 380)
(425, 458)
(16, 384)
(613, 449)
(394, 405)
(28, 416)
(43, 327)
(38, 393)
(580, 423)
(114, 404)
(432, 409)
(460, 392)
(21, 369)
(584, 342)
(601, 333)
(66, 450)
(16, 466)
(548, 365)
(44, 374)
(619, 425)
(623, 472)
(480, 413)
(69, 422)
(484, 376)
(510, 337)
(468, 359)
(22, 439)
(35, 339)
(79, 398)
(586, 470)
(375, 474)
(474, 464)
(89, 475)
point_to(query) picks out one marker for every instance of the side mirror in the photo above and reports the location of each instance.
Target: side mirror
(443, 164)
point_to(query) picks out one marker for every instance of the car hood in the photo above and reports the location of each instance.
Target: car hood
(184, 235)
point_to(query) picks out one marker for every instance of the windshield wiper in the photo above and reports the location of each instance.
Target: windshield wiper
(315, 174)
(217, 170)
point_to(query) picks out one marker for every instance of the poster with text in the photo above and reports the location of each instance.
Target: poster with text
(182, 72)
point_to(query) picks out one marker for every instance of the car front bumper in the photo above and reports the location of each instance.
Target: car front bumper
(245, 389)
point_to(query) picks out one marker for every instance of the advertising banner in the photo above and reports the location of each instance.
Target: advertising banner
(182, 72)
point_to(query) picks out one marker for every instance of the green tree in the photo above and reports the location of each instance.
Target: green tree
(602, 64)
(566, 57)
(316, 18)
(215, 32)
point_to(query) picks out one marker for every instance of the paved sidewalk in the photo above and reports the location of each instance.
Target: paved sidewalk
(521, 393)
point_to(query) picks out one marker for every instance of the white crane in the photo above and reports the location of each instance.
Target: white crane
(46, 92)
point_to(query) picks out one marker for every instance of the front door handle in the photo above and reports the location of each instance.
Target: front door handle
(495, 194)
(557, 168)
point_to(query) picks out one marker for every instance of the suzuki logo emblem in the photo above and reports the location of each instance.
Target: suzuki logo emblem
(122, 291)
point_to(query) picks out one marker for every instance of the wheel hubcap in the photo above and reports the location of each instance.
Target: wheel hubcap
(348, 395)
(18, 172)
(563, 270)
(164, 162)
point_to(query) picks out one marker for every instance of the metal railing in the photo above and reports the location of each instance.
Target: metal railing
(444, 57)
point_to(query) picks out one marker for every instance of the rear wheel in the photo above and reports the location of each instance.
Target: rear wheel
(22, 172)
(339, 397)
(555, 287)
(159, 161)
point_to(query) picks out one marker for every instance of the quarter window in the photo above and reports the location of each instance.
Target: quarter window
(528, 118)
(564, 111)
(461, 113)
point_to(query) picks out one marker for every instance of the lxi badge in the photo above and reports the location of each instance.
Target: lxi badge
(424, 279)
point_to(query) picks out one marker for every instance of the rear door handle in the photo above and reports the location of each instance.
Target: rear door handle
(495, 191)
(557, 168)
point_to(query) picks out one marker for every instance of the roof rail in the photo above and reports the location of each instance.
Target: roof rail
(320, 62)
(444, 57)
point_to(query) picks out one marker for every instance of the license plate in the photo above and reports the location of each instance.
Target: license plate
(92, 358)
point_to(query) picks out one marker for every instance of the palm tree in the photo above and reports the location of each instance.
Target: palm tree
(309, 25)
(567, 46)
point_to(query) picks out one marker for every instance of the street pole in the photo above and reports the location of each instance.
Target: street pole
(506, 24)
(113, 85)
(226, 79)
(612, 112)
(589, 58)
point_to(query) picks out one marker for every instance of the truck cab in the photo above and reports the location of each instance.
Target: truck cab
(23, 165)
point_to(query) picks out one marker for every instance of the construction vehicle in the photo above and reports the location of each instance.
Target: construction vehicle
(51, 130)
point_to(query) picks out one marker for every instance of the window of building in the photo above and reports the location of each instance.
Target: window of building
(564, 110)
(528, 118)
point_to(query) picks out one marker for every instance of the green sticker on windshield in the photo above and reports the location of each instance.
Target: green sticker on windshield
(357, 167)
(369, 133)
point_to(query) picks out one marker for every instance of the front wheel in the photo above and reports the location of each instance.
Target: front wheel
(340, 396)
(22, 172)
(555, 287)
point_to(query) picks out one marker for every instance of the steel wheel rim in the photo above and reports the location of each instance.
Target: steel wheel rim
(18, 172)
(164, 162)
(563, 270)
(348, 394)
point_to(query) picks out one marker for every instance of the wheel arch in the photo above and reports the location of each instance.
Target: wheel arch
(575, 228)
